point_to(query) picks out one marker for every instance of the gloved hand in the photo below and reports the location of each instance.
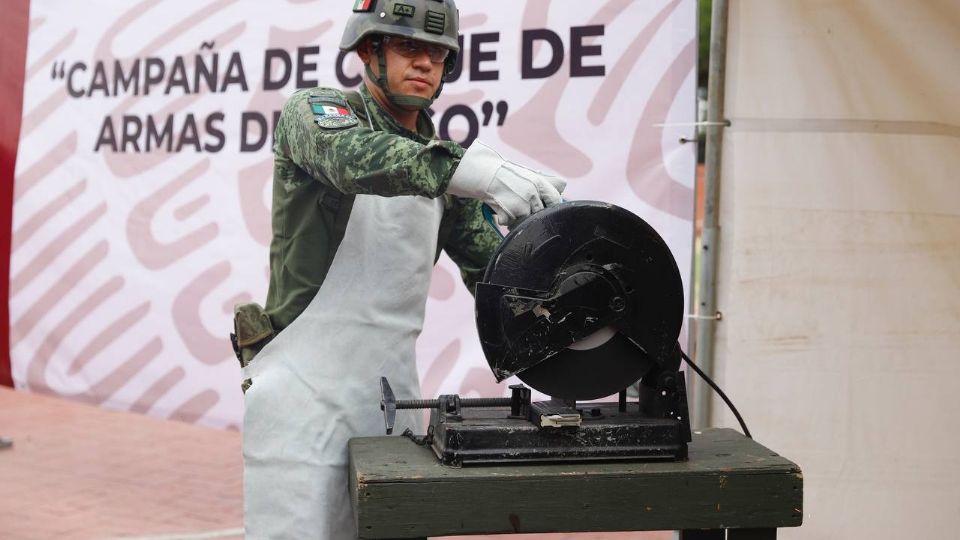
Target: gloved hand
(512, 190)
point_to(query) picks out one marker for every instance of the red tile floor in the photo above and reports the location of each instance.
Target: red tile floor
(79, 472)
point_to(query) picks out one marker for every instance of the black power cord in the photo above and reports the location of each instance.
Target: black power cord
(717, 389)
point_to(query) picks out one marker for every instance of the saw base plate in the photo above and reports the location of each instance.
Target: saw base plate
(485, 436)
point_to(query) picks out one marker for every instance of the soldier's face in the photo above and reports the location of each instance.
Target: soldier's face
(411, 69)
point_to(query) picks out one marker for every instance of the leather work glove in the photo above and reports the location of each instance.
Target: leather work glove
(512, 190)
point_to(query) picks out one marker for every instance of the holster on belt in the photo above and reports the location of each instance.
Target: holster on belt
(252, 330)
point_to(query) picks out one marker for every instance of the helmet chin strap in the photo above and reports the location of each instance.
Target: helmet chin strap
(402, 101)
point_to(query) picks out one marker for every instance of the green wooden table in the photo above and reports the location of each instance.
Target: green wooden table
(730, 484)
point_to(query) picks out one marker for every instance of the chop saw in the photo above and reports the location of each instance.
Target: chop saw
(579, 302)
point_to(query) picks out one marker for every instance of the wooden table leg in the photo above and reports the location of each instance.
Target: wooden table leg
(752, 534)
(703, 534)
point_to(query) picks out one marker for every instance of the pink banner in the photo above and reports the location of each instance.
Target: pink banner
(141, 203)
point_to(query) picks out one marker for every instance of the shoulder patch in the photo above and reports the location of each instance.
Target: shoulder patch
(331, 110)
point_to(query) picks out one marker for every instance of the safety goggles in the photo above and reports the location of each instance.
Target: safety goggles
(411, 48)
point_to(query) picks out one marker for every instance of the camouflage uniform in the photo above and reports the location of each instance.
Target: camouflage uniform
(317, 170)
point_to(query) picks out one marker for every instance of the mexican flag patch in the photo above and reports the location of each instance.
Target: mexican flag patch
(333, 115)
(360, 6)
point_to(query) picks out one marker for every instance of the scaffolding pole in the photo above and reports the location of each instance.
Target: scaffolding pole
(707, 311)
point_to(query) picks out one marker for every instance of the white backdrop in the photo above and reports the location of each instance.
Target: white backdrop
(131, 244)
(839, 269)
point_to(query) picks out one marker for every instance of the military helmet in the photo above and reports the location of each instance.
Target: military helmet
(430, 21)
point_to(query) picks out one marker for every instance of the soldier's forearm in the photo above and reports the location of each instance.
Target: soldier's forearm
(389, 165)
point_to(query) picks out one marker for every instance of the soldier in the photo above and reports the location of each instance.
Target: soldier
(364, 198)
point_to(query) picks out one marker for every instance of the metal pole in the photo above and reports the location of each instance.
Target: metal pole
(706, 324)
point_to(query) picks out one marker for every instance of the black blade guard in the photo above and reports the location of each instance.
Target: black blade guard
(565, 273)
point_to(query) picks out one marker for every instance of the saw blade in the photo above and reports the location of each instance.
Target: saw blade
(587, 374)
(594, 340)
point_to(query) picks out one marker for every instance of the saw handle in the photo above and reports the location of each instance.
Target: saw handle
(488, 214)
(388, 404)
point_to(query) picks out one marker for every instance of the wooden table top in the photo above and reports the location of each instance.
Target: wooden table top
(400, 490)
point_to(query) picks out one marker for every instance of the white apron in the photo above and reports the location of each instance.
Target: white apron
(317, 384)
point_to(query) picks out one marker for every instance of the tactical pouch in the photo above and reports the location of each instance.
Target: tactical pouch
(252, 330)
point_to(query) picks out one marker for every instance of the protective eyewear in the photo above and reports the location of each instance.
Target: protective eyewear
(411, 48)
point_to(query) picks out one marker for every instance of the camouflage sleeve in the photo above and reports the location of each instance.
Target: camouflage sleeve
(359, 160)
(471, 242)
